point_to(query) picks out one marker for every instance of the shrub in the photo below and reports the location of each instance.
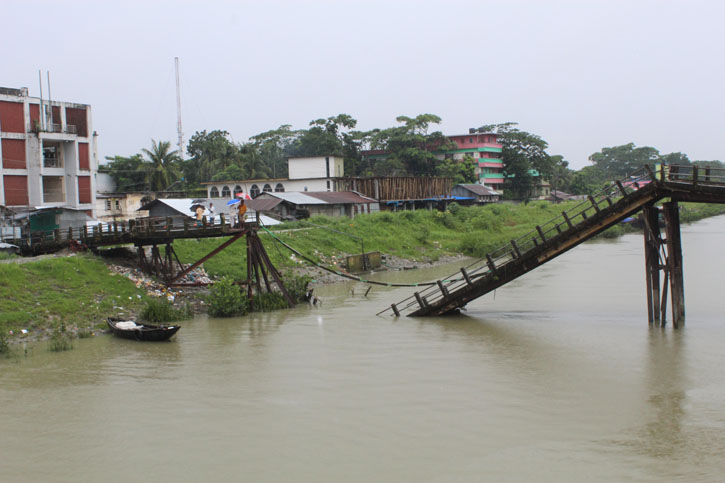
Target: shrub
(4, 345)
(266, 301)
(472, 245)
(226, 299)
(422, 235)
(455, 208)
(407, 215)
(486, 221)
(159, 311)
(297, 287)
(61, 340)
(386, 217)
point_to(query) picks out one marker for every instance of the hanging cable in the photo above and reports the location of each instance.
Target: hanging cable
(348, 275)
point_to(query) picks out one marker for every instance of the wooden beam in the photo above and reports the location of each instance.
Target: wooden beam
(566, 218)
(651, 263)
(674, 252)
(594, 203)
(207, 257)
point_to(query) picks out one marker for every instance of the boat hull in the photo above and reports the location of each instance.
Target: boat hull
(149, 333)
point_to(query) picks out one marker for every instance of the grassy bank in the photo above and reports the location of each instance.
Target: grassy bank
(416, 235)
(79, 291)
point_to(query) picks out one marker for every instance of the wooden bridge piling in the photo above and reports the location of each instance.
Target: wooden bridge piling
(652, 243)
(674, 261)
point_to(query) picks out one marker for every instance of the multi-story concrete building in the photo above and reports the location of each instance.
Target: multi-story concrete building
(48, 153)
(485, 150)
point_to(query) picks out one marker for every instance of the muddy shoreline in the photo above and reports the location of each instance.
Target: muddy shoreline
(193, 297)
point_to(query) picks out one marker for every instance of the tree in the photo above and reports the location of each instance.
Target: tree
(460, 172)
(129, 173)
(680, 159)
(524, 157)
(620, 161)
(410, 146)
(163, 170)
(588, 180)
(561, 175)
(209, 154)
(273, 146)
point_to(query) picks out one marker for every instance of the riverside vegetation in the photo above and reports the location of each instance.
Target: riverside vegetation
(75, 294)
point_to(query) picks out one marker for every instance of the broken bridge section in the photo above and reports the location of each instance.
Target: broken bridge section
(619, 200)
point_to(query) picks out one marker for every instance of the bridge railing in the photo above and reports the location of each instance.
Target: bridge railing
(119, 231)
(692, 174)
(520, 246)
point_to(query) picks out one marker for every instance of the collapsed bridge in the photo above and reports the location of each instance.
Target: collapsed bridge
(621, 199)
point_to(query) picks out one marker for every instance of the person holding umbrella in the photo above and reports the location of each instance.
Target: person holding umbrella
(199, 214)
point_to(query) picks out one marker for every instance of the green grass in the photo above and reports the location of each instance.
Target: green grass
(417, 235)
(77, 291)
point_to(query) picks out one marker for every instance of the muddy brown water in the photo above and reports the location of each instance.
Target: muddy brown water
(556, 377)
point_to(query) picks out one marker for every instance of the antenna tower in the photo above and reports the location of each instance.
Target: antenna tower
(178, 111)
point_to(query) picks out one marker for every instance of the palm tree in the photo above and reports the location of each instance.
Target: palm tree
(163, 169)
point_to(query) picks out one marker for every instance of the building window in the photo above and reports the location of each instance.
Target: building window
(52, 157)
(254, 191)
(470, 140)
(213, 192)
(53, 189)
(226, 192)
(237, 189)
(108, 205)
(279, 188)
(118, 205)
(267, 188)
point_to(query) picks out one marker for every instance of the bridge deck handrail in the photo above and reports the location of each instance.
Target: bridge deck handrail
(569, 219)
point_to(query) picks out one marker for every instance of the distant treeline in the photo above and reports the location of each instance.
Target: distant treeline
(410, 151)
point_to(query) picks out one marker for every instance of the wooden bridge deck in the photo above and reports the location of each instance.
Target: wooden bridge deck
(620, 200)
(140, 232)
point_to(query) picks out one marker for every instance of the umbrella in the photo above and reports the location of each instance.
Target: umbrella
(233, 202)
(195, 206)
(244, 195)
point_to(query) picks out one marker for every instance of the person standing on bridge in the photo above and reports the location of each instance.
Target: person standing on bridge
(241, 210)
(211, 213)
(199, 214)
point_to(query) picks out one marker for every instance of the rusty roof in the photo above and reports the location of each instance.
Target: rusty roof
(340, 197)
(262, 204)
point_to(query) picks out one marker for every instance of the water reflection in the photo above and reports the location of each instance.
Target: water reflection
(666, 381)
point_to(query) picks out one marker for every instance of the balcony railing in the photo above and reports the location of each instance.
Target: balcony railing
(53, 127)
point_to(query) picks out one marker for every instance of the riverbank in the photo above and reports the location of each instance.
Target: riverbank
(80, 291)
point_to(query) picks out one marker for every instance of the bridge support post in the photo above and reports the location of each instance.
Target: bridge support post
(674, 262)
(652, 242)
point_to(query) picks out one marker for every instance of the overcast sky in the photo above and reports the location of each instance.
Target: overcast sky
(581, 74)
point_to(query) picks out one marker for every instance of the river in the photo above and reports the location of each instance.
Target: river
(555, 377)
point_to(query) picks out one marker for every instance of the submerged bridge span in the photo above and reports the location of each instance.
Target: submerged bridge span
(622, 199)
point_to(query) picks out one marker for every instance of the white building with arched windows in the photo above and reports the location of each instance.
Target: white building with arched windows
(305, 174)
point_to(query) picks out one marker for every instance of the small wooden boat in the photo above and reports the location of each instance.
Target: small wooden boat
(130, 330)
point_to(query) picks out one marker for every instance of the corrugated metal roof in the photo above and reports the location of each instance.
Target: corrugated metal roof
(479, 189)
(294, 197)
(341, 197)
(262, 204)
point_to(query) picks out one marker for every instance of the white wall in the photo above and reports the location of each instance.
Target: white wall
(315, 167)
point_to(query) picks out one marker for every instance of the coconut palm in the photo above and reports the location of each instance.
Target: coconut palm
(163, 169)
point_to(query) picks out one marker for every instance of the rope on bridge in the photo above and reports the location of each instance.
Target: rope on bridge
(348, 275)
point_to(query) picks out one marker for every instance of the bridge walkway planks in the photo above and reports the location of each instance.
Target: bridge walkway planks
(618, 201)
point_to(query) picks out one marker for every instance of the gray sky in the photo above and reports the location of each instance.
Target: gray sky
(581, 74)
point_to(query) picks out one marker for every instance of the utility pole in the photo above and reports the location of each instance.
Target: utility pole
(178, 111)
